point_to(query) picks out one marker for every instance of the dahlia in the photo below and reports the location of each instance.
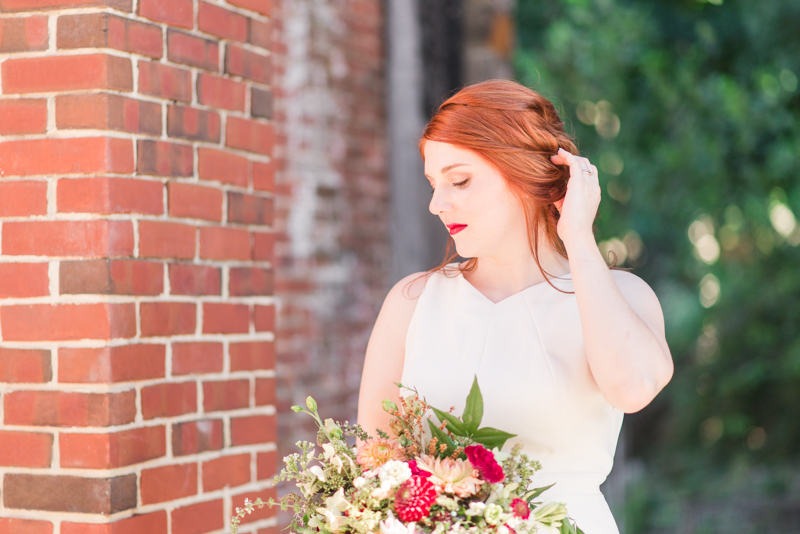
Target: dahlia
(484, 462)
(376, 452)
(520, 509)
(450, 476)
(414, 499)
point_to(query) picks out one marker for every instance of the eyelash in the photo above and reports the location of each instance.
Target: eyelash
(459, 184)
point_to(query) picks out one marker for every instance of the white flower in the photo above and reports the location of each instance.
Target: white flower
(394, 472)
(476, 508)
(494, 514)
(383, 491)
(359, 482)
(447, 503)
(502, 529)
(318, 472)
(337, 501)
(392, 526)
(544, 529)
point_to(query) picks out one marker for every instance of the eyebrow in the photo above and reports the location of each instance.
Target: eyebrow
(450, 167)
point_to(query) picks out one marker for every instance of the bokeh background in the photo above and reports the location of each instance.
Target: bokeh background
(690, 109)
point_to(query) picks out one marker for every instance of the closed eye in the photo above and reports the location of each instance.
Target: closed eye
(458, 184)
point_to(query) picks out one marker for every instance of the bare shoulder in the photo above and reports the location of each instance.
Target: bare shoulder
(640, 296)
(403, 297)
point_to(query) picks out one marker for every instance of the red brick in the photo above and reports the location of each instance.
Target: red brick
(162, 158)
(64, 322)
(222, 166)
(251, 356)
(188, 279)
(240, 61)
(195, 202)
(192, 123)
(265, 391)
(70, 493)
(259, 513)
(226, 395)
(250, 135)
(60, 408)
(103, 30)
(199, 518)
(249, 209)
(27, 157)
(67, 73)
(159, 239)
(263, 246)
(168, 318)
(112, 450)
(21, 34)
(21, 365)
(153, 523)
(68, 238)
(31, 5)
(107, 112)
(251, 282)
(221, 93)
(169, 400)
(260, 33)
(196, 357)
(224, 318)
(161, 80)
(196, 436)
(23, 115)
(19, 280)
(25, 449)
(264, 318)
(266, 465)
(217, 243)
(174, 12)
(21, 199)
(253, 429)
(122, 363)
(110, 195)
(192, 50)
(261, 105)
(222, 22)
(228, 471)
(168, 483)
(259, 6)
(25, 526)
(111, 277)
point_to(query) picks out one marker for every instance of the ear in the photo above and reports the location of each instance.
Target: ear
(558, 204)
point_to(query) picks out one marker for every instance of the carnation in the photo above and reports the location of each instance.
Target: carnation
(376, 452)
(414, 499)
(485, 463)
(415, 470)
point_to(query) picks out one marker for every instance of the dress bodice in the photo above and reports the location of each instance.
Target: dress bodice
(528, 355)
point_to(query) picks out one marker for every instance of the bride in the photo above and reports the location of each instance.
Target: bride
(562, 346)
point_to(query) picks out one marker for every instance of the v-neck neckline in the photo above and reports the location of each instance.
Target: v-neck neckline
(563, 277)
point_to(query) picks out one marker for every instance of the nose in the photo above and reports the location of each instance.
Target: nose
(439, 202)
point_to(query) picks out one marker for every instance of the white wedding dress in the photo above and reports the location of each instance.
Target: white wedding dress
(528, 354)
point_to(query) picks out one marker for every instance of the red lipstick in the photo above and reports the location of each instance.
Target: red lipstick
(455, 228)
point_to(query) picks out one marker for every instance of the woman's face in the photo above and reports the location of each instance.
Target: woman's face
(472, 199)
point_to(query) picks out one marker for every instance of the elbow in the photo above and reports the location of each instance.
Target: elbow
(635, 397)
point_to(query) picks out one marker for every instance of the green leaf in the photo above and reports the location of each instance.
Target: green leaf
(537, 491)
(443, 438)
(491, 437)
(454, 425)
(473, 411)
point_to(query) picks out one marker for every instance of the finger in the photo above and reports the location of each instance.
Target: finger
(575, 168)
(558, 160)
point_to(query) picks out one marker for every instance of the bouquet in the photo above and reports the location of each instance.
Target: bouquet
(450, 480)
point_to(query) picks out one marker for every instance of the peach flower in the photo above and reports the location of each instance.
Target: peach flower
(456, 477)
(373, 453)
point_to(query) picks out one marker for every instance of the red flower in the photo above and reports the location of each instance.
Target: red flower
(415, 470)
(414, 499)
(483, 460)
(520, 508)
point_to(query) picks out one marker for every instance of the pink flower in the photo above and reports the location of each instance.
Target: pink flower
(373, 453)
(414, 499)
(456, 477)
(415, 470)
(520, 508)
(484, 462)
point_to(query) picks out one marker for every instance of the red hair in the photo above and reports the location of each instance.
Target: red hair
(516, 130)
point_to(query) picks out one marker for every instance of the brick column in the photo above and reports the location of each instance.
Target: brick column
(136, 246)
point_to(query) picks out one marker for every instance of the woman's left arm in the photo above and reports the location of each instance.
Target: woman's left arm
(621, 319)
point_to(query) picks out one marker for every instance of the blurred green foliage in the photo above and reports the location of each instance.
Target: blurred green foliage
(691, 111)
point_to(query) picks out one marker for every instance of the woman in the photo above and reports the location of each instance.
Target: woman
(561, 345)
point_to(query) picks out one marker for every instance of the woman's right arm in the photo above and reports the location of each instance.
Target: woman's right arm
(383, 364)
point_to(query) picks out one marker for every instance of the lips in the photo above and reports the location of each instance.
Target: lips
(455, 228)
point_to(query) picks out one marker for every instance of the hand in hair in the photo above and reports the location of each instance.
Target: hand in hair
(578, 208)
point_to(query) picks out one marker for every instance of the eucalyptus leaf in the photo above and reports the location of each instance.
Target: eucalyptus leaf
(473, 411)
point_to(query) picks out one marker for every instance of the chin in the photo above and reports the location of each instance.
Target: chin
(465, 251)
